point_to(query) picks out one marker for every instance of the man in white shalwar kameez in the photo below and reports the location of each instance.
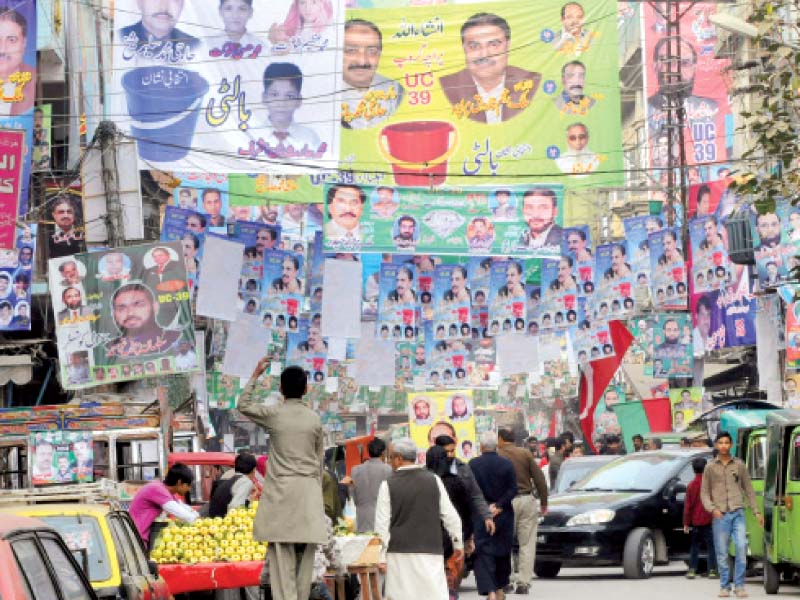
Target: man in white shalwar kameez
(412, 505)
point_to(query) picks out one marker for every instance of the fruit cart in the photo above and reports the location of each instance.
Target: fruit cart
(211, 553)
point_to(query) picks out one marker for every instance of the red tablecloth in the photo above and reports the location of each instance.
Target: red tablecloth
(211, 576)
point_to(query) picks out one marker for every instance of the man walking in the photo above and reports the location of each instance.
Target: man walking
(498, 482)
(412, 506)
(725, 490)
(290, 516)
(556, 459)
(526, 507)
(366, 480)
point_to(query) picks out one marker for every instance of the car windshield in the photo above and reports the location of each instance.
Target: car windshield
(571, 472)
(81, 532)
(634, 473)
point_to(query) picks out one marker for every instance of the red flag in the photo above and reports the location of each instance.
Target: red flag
(595, 379)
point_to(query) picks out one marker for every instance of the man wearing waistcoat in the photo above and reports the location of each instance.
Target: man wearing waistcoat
(412, 506)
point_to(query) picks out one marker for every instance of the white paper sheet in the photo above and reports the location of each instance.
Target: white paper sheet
(337, 348)
(374, 359)
(341, 299)
(516, 354)
(219, 279)
(247, 344)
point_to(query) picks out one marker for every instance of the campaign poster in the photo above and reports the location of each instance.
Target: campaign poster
(278, 296)
(606, 421)
(222, 390)
(205, 86)
(775, 251)
(791, 388)
(577, 245)
(713, 197)
(183, 225)
(433, 114)
(12, 158)
(703, 83)
(431, 414)
(560, 292)
(205, 193)
(685, 404)
(42, 137)
(452, 312)
(711, 268)
(615, 280)
(306, 348)
(672, 346)
(65, 225)
(121, 314)
(448, 362)
(16, 275)
(62, 457)
(480, 274)
(18, 72)
(398, 305)
(637, 231)
(449, 221)
(641, 349)
(508, 301)
(667, 270)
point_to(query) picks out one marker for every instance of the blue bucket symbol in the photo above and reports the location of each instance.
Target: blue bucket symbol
(164, 103)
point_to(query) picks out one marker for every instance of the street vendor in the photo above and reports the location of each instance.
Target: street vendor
(159, 496)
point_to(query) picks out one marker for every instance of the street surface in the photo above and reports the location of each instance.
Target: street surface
(668, 583)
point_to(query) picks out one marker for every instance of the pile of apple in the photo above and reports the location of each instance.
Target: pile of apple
(228, 539)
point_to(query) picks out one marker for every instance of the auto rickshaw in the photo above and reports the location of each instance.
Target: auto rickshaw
(781, 491)
(748, 429)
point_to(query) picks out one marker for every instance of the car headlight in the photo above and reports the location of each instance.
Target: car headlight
(593, 517)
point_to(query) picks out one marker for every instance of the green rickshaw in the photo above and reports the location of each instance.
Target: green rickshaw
(781, 491)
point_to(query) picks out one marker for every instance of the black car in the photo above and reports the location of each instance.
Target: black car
(628, 512)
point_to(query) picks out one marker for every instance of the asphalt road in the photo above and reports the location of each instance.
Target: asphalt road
(668, 583)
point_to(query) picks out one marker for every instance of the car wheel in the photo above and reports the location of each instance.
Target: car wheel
(639, 556)
(546, 570)
(772, 577)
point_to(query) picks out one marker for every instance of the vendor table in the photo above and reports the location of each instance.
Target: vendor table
(211, 576)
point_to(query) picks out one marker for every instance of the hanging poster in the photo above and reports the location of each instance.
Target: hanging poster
(429, 105)
(122, 314)
(12, 150)
(206, 193)
(16, 275)
(279, 300)
(42, 137)
(431, 414)
(774, 247)
(686, 404)
(615, 279)
(19, 77)
(508, 303)
(61, 457)
(306, 348)
(398, 307)
(452, 297)
(65, 226)
(702, 82)
(446, 222)
(222, 87)
(667, 270)
(185, 225)
(711, 269)
(637, 230)
(672, 346)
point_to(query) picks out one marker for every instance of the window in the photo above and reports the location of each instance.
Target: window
(686, 475)
(81, 532)
(794, 473)
(127, 557)
(133, 540)
(69, 580)
(757, 457)
(33, 568)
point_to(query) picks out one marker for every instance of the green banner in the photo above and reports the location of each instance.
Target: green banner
(516, 220)
(451, 94)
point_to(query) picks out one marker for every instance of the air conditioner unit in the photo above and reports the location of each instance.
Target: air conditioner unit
(740, 238)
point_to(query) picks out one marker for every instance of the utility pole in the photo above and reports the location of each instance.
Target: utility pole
(107, 136)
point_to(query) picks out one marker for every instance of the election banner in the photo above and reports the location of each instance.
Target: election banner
(667, 270)
(306, 348)
(121, 314)
(42, 137)
(281, 292)
(685, 405)
(480, 270)
(775, 250)
(672, 346)
(407, 220)
(508, 302)
(205, 193)
(713, 198)
(606, 421)
(702, 83)
(724, 317)
(615, 280)
(65, 224)
(398, 306)
(18, 73)
(431, 414)
(223, 87)
(184, 225)
(61, 457)
(16, 275)
(452, 312)
(711, 268)
(427, 108)
(637, 230)
(12, 162)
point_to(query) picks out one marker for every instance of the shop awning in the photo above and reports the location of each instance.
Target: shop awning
(17, 368)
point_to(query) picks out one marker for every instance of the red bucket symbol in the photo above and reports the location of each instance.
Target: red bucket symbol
(518, 309)
(677, 274)
(585, 273)
(291, 306)
(625, 289)
(717, 256)
(569, 302)
(463, 314)
(409, 315)
(418, 151)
